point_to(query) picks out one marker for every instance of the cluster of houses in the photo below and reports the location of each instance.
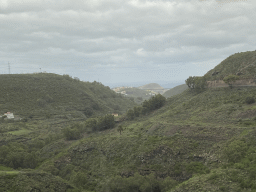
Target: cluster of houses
(118, 89)
(8, 115)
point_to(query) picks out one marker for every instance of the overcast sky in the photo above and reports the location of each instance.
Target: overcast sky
(124, 41)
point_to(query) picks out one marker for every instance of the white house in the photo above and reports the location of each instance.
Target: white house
(9, 115)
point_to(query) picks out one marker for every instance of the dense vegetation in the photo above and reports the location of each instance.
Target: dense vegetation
(195, 141)
(196, 83)
(242, 64)
(51, 95)
(206, 137)
(147, 106)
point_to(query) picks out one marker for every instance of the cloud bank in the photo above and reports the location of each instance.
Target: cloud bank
(125, 41)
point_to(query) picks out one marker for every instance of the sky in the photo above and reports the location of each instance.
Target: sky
(124, 42)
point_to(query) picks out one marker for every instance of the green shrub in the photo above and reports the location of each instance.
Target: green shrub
(235, 151)
(48, 98)
(130, 114)
(88, 111)
(197, 167)
(213, 177)
(71, 134)
(223, 188)
(105, 122)
(41, 102)
(249, 100)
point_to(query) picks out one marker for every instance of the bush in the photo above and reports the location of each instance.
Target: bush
(130, 114)
(106, 122)
(48, 98)
(71, 134)
(249, 100)
(197, 83)
(88, 111)
(140, 183)
(152, 104)
(235, 151)
(197, 167)
(41, 102)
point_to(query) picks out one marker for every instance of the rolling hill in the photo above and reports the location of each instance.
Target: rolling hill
(55, 95)
(151, 86)
(176, 90)
(242, 64)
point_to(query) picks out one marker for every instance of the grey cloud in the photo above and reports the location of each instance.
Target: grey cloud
(123, 33)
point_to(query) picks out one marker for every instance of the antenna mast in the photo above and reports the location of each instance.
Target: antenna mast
(9, 68)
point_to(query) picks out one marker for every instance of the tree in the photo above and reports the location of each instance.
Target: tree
(120, 129)
(3, 117)
(200, 83)
(190, 82)
(249, 100)
(88, 111)
(159, 101)
(71, 134)
(197, 83)
(230, 80)
(137, 111)
(106, 122)
(130, 114)
(91, 123)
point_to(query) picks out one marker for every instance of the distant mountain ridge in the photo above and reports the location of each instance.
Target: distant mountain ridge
(151, 86)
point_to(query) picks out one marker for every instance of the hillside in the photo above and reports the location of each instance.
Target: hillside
(186, 140)
(183, 146)
(40, 95)
(176, 90)
(151, 86)
(242, 64)
(197, 141)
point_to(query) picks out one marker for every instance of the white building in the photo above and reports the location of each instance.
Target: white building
(9, 115)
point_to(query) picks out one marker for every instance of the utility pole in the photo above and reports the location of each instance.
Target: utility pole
(9, 68)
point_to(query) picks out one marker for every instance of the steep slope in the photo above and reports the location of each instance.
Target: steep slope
(151, 86)
(175, 91)
(55, 95)
(242, 64)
